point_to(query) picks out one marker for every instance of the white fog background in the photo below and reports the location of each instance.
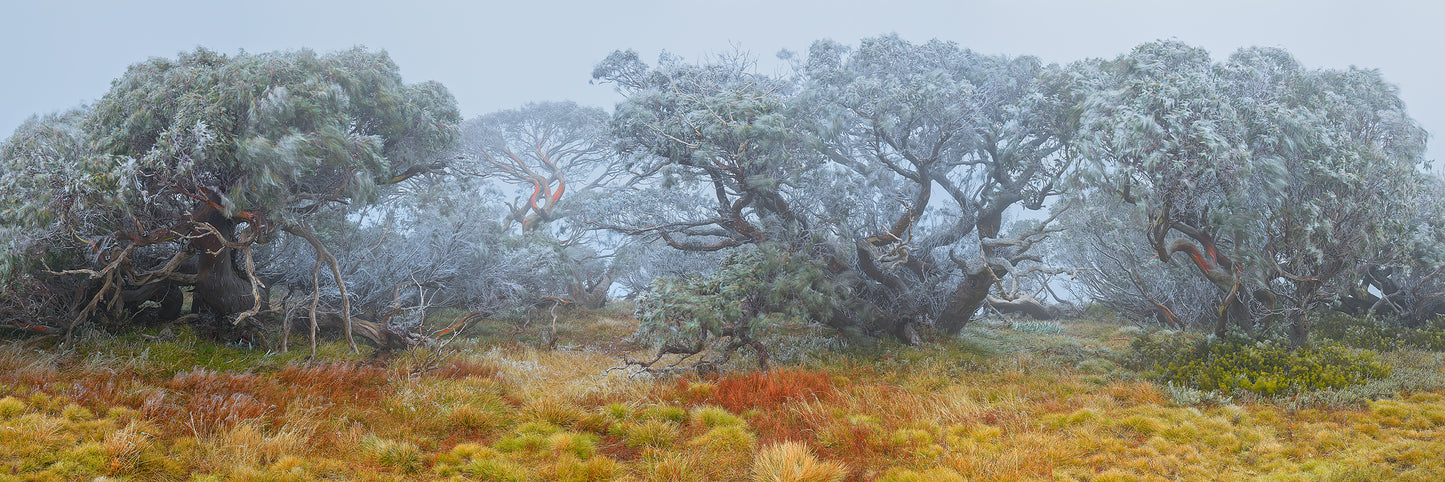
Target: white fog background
(498, 55)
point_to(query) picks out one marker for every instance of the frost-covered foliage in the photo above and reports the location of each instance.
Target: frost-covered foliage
(185, 164)
(1279, 182)
(638, 264)
(716, 143)
(753, 286)
(896, 119)
(843, 158)
(436, 244)
(881, 176)
(1410, 286)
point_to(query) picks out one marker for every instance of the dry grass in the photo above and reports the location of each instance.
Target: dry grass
(998, 404)
(794, 462)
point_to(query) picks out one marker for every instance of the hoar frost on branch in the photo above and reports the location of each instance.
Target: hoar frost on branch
(1279, 183)
(839, 164)
(186, 165)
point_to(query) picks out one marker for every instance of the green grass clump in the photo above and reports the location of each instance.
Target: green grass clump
(76, 413)
(572, 469)
(10, 407)
(726, 438)
(479, 462)
(544, 440)
(403, 457)
(713, 416)
(663, 413)
(651, 433)
(1266, 367)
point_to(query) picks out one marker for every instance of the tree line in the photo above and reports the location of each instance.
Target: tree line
(879, 189)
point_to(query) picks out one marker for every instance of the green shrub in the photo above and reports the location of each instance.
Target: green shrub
(755, 284)
(1266, 367)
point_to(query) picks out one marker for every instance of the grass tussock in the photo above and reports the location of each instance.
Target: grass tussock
(794, 462)
(1003, 402)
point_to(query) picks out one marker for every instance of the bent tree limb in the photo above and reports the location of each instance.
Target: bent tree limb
(304, 232)
(1216, 266)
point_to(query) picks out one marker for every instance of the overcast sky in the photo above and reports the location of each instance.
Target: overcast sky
(496, 55)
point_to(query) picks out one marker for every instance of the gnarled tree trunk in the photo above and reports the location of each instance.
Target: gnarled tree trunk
(965, 300)
(219, 282)
(972, 292)
(591, 295)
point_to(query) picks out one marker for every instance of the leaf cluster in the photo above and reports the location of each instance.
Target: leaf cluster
(755, 285)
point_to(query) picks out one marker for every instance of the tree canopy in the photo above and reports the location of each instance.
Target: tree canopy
(879, 189)
(1281, 184)
(181, 152)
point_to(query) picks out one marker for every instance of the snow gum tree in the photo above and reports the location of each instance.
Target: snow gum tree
(547, 148)
(555, 154)
(1408, 287)
(715, 139)
(840, 164)
(719, 165)
(901, 120)
(1115, 266)
(1279, 183)
(174, 175)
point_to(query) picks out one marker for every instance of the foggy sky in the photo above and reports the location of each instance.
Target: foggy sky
(498, 55)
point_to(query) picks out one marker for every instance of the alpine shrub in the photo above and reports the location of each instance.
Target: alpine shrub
(1263, 367)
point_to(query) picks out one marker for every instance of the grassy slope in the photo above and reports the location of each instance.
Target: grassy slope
(1004, 402)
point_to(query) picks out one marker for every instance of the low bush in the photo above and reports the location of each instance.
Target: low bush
(1263, 367)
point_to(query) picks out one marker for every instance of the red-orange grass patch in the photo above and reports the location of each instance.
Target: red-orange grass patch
(763, 390)
(101, 390)
(335, 382)
(208, 401)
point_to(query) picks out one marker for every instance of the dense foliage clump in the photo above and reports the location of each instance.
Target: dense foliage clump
(1265, 367)
(187, 169)
(755, 285)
